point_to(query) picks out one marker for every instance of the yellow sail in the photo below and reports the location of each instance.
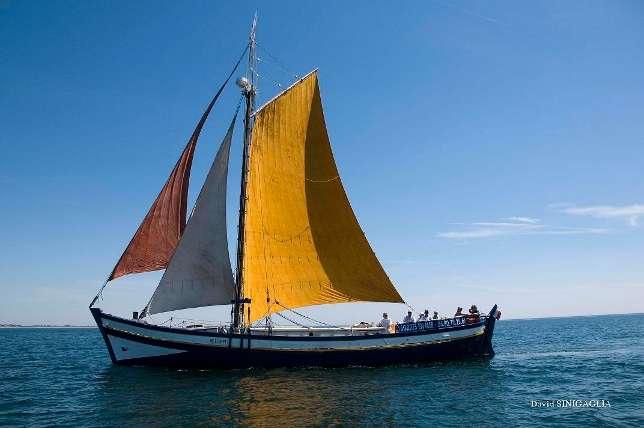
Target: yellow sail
(303, 244)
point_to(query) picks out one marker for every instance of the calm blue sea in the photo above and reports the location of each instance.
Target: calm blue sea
(64, 377)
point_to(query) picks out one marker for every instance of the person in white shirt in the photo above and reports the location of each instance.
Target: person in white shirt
(384, 322)
(424, 316)
(409, 317)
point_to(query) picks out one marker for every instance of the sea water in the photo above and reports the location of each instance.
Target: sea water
(579, 371)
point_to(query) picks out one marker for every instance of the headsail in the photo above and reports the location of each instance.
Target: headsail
(303, 244)
(156, 238)
(199, 273)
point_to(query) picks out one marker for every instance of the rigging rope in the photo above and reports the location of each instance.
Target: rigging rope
(277, 62)
(304, 316)
(410, 307)
(273, 61)
(289, 320)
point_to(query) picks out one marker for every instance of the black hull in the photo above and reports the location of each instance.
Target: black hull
(199, 356)
(235, 358)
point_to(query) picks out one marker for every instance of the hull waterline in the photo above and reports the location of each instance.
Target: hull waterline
(135, 343)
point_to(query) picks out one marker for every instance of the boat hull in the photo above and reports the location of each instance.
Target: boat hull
(132, 342)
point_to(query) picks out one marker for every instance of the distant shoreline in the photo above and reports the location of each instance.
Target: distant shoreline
(45, 326)
(572, 316)
(504, 319)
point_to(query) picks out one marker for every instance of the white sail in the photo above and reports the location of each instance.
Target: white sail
(199, 273)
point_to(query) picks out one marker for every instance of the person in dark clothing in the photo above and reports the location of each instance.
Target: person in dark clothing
(473, 315)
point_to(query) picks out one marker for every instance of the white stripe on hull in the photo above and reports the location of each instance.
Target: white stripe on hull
(359, 343)
(125, 349)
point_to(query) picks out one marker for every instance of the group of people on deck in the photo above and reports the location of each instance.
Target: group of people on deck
(423, 316)
(472, 317)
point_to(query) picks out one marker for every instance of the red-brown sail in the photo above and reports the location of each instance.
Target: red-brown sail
(158, 235)
(154, 242)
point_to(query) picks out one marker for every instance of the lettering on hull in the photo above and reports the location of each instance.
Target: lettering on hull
(411, 327)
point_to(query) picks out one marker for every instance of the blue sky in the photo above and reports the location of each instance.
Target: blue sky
(493, 151)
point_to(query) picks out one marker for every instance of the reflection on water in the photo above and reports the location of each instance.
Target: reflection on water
(311, 396)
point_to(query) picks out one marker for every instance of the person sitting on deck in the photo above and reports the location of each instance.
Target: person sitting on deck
(384, 322)
(424, 316)
(473, 315)
(409, 317)
(435, 317)
(459, 312)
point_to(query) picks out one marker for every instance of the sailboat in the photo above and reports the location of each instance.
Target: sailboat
(298, 244)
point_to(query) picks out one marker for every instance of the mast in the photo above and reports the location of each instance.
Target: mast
(247, 85)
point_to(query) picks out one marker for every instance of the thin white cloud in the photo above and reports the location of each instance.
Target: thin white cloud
(530, 220)
(469, 234)
(517, 227)
(629, 213)
(575, 231)
(507, 224)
